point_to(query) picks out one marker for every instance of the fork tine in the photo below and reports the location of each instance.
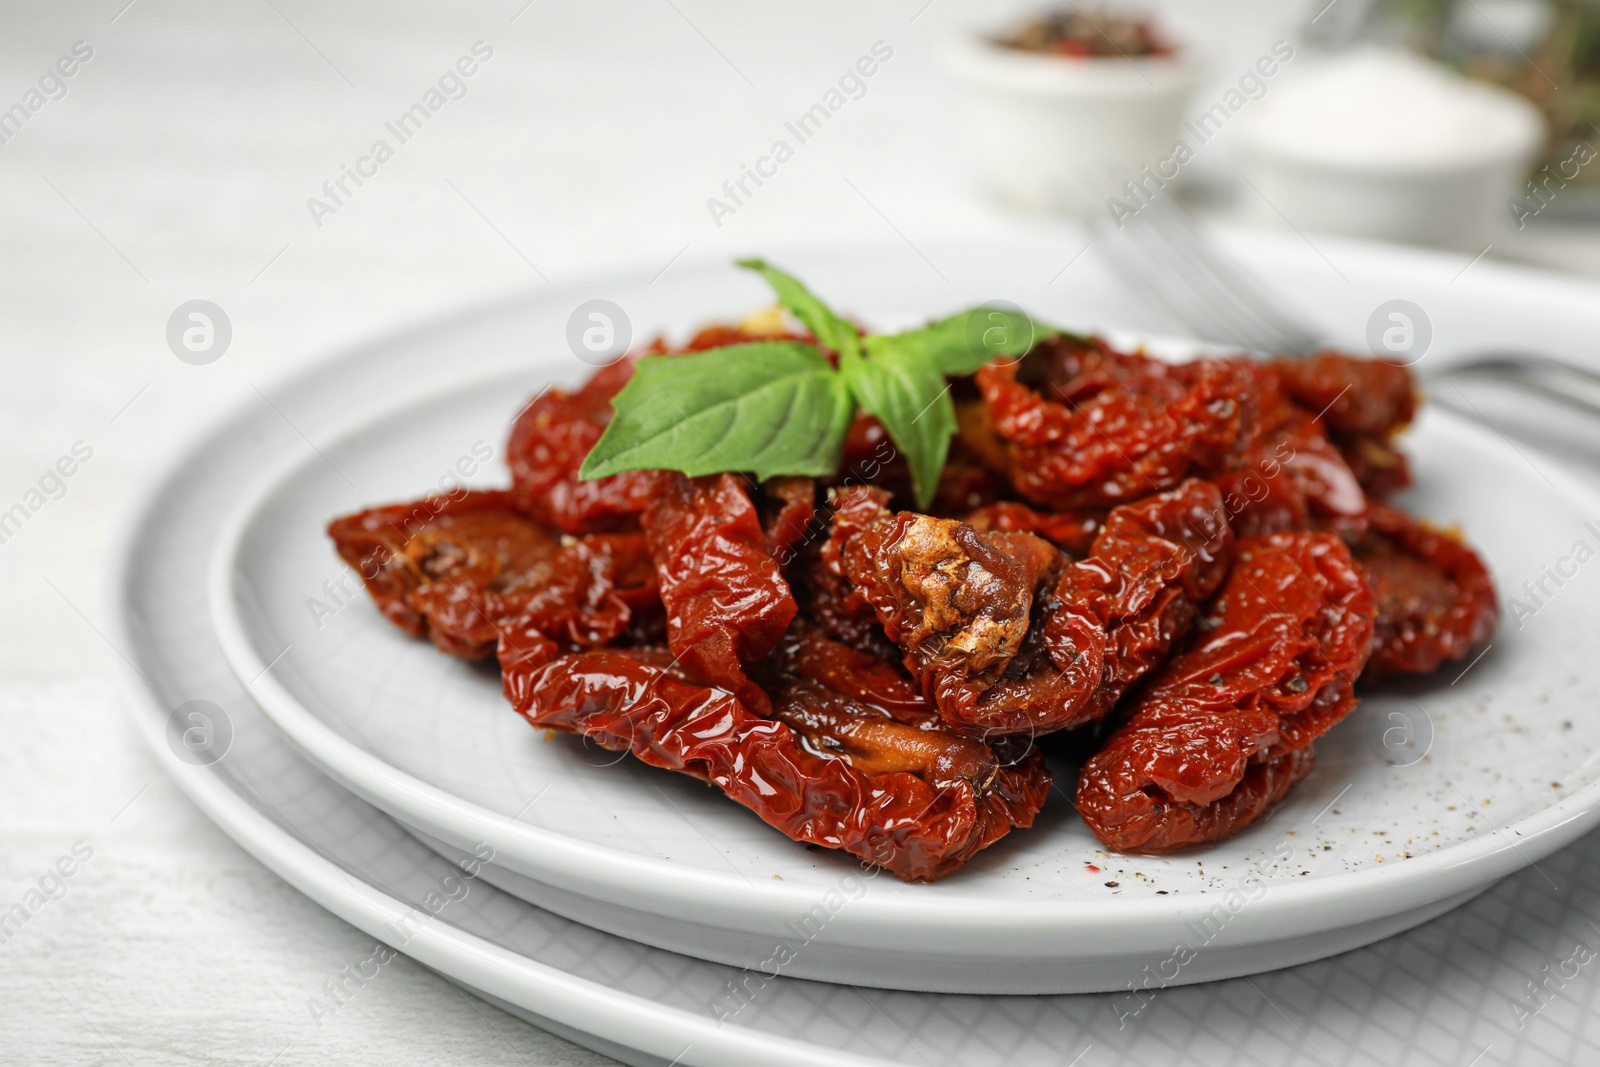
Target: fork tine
(1161, 280)
(1152, 278)
(1162, 253)
(1186, 263)
(1168, 277)
(1238, 286)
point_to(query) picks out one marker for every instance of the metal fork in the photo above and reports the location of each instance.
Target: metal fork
(1161, 255)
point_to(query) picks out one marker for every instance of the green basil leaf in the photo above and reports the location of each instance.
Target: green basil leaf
(965, 341)
(770, 407)
(910, 397)
(833, 331)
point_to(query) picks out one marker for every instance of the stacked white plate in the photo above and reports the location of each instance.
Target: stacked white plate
(644, 915)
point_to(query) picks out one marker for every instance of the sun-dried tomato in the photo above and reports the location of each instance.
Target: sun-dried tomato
(866, 449)
(1292, 477)
(789, 515)
(830, 601)
(1363, 403)
(1118, 612)
(1145, 824)
(1380, 467)
(456, 569)
(1085, 426)
(1071, 531)
(549, 440)
(870, 458)
(965, 484)
(1435, 598)
(957, 602)
(820, 687)
(1081, 424)
(808, 652)
(1351, 394)
(920, 804)
(727, 603)
(1005, 636)
(1272, 669)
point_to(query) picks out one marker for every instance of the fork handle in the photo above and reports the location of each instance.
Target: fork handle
(1566, 383)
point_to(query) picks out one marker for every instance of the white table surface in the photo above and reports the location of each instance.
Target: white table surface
(178, 166)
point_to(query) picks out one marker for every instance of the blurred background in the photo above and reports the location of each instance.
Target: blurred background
(159, 152)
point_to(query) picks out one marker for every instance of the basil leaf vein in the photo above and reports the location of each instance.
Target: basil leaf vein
(772, 407)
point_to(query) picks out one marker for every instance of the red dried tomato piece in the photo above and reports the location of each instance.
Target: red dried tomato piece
(960, 604)
(1272, 669)
(789, 512)
(867, 449)
(920, 803)
(591, 577)
(1085, 426)
(820, 687)
(1380, 467)
(965, 484)
(871, 458)
(957, 602)
(1351, 394)
(549, 441)
(727, 603)
(862, 676)
(830, 600)
(1292, 477)
(832, 724)
(1071, 531)
(1363, 403)
(1153, 825)
(458, 568)
(1116, 614)
(1435, 598)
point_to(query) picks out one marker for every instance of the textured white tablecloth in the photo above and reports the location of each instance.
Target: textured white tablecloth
(177, 166)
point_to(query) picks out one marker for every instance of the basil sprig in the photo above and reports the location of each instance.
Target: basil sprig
(780, 407)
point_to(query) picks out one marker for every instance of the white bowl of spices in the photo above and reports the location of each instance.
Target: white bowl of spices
(1056, 113)
(1382, 143)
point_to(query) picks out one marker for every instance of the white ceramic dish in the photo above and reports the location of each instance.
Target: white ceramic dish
(1321, 167)
(1438, 993)
(1361, 850)
(1056, 134)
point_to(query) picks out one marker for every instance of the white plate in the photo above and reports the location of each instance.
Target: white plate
(1361, 850)
(1437, 994)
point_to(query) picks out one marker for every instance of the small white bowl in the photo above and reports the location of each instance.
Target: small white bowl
(1386, 145)
(1060, 133)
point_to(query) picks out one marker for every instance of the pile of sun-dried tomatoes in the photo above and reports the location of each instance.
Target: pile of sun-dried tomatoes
(1183, 570)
